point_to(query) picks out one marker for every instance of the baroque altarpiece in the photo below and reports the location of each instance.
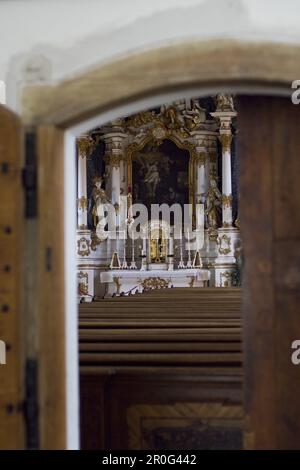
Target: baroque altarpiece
(181, 153)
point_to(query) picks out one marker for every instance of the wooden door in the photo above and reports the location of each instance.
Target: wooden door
(51, 289)
(11, 275)
(269, 154)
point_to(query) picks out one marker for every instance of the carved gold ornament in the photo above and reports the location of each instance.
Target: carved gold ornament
(83, 283)
(155, 283)
(226, 140)
(159, 133)
(200, 158)
(227, 200)
(115, 160)
(225, 279)
(86, 145)
(213, 156)
(83, 247)
(82, 203)
(224, 102)
(95, 240)
(192, 281)
(213, 234)
(224, 244)
(117, 283)
(141, 119)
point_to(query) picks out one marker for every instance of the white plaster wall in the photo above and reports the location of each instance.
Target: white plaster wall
(48, 40)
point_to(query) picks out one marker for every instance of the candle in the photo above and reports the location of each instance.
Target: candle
(171, 246)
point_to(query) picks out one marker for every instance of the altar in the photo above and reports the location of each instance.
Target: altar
(158, 200)
(119, 281)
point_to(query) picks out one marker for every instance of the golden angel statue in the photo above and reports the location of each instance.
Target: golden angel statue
(224, 102)
(100, 200)
(213, 202)
(195, 116)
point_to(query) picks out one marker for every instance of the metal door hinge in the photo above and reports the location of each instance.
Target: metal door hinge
(29, 177)
(30, 407)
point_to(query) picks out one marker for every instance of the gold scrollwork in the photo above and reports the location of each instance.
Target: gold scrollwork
(224, 244)
(225, 140)
(192, 281)
(95, 241)
(212, 234)
(140, 119)
(227, 200)
(155, 283)
(83, 247)
(85, 145)
(114, 160)
(225, 279)
(213, 156)
(82, 203)
(83, 283)
(117, 283)
(200, 158)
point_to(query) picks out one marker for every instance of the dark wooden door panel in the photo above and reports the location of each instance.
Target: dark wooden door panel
(11, 272)
(269, 149)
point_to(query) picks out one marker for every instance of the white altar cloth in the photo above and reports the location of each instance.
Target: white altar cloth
(121, 280)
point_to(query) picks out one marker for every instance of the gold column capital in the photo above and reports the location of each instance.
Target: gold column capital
(227, 200)
(226, 140)
(200, 158)
(85, 145)
(82, 203)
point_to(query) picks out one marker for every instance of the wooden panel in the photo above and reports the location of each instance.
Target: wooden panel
(286, 151)
(269, 148)
(94, 419)
(134, 410)
(11, 262)
(183, 425)
(52, 378)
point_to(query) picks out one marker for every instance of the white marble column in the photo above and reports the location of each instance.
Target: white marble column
(83, 146)
(114, 156)
(225, 116)
(226, 180)
(201, 176)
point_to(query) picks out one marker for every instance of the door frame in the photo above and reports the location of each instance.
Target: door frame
(125, 86)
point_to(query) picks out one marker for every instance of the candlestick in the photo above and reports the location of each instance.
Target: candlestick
(144, 256)
(171, 246)
(132, 264)
(171, 254)
(189, 261)
(124, 264)
(181, 264)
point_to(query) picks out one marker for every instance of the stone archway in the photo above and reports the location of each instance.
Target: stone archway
(262, 68)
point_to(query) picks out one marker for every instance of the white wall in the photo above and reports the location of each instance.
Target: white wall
(48, 40)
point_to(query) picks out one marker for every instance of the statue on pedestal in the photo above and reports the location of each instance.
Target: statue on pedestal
(101, 201)
(213, 203)
(224, 102)
(195, 116)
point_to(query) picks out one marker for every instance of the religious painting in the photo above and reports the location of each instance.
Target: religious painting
(160, 174)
